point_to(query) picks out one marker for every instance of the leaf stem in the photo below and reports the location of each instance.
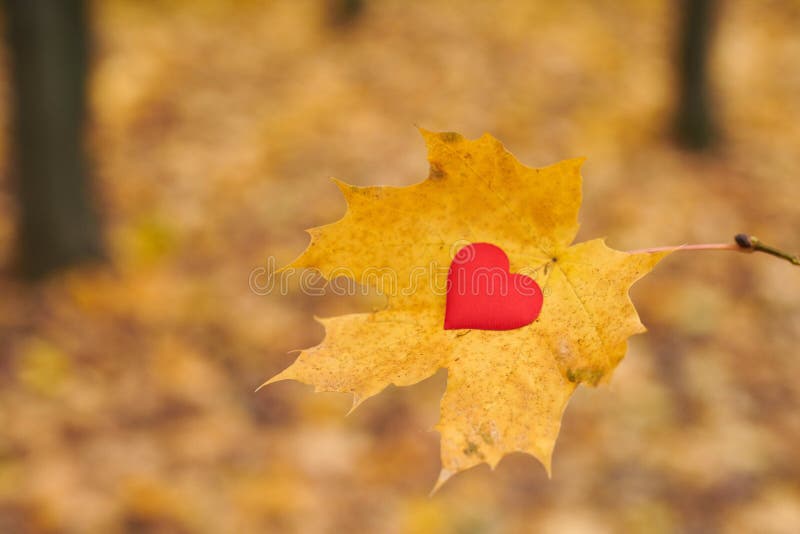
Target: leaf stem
(742, 243)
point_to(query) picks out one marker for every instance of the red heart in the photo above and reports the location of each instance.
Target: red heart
(482, 294)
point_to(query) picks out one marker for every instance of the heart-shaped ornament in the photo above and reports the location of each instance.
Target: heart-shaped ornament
(483, 294)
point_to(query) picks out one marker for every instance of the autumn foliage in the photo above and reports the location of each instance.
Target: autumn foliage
(127, 399)
(506, 390)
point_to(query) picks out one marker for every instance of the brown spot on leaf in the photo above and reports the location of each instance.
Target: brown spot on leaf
(450, 137)
(436, 172)
(472, 450)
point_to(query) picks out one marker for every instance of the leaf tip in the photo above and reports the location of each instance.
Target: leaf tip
(283, 375)
(548, 466)
(347, 190)
(343, 186)
(571, 164)
(444, 476)
(357, 400)
(492, 462)
(321, 320)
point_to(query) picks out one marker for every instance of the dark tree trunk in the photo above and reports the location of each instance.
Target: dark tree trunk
(48, 49)
(694, 125)
(344, 12)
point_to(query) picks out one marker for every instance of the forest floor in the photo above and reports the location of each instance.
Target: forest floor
(127, 398)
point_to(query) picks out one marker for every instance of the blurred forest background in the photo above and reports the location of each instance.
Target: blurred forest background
(127, 399)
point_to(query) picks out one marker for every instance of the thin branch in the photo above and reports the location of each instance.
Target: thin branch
(743, 243)
(752, 243)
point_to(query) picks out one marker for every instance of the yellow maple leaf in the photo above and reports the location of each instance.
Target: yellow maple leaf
(506, 389)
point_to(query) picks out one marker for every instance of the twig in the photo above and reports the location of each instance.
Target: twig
(743, 243)
(754, 244)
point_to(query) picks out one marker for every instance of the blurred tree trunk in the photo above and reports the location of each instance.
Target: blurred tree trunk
(48, 49)
(694, 125)
(344, 12)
